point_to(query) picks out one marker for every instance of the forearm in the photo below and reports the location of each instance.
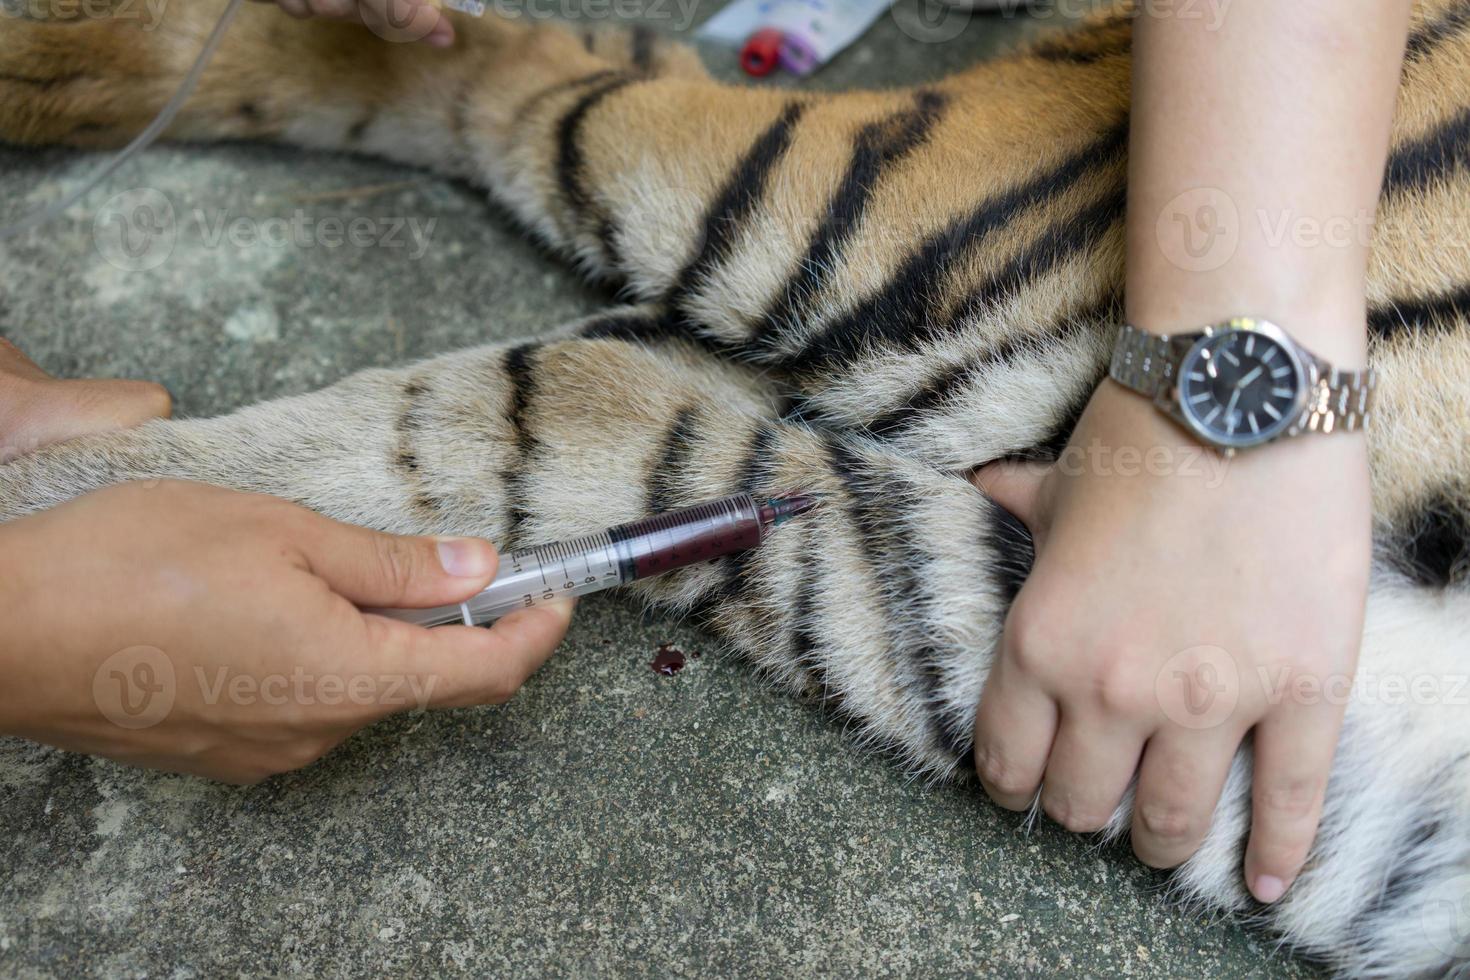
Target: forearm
(1258, 147)
(21, 660)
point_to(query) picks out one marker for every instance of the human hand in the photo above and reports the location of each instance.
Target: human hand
(185, 627)
(393, 20)
(1157, 592)
(37, 410)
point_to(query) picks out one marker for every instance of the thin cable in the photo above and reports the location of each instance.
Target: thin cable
(160, 122)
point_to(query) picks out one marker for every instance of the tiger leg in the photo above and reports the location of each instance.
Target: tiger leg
(886, 601)
(544, 440)
(614, 146)
(97, 82)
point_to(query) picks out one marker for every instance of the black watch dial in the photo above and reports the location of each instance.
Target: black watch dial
(1240, 387)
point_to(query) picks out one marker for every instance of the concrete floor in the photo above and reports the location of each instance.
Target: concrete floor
(608, 820)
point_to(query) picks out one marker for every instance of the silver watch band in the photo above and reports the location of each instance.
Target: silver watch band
(1340, 399)
(1145, 362)
(1142, 361)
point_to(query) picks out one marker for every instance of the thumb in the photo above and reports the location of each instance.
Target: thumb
(457, 666)
(1016, 486)
(59, 411)
(370, 568)
(15, 363)
(108, 404)
(51, 410)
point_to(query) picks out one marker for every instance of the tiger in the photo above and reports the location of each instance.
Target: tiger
(810, 300)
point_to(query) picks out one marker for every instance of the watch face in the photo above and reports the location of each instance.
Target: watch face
(1240, 387)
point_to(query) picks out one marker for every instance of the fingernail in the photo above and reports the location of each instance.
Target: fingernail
(464, 557)
(442, 36)
(1269, 888)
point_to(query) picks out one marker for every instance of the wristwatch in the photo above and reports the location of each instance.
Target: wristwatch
(1241, 383)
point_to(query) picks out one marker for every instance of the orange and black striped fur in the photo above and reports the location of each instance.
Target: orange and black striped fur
(861, 294)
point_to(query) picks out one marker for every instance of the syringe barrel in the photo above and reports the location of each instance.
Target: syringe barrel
(664, 542)
(644, 548)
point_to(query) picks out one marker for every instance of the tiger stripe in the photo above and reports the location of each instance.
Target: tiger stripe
(876, 148)
(899, 309)
(934, 392)
(675, 453)
(1433, 157)
(1442, 313)
(735, 203)
(1435, 32)
(877, 517)
(571, 168)
(520, 371)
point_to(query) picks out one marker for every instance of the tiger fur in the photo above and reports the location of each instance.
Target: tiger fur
(863, 295)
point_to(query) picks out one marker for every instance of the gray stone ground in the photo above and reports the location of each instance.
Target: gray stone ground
(607, 821)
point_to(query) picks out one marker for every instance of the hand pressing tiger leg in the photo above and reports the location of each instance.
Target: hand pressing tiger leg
(886, 601)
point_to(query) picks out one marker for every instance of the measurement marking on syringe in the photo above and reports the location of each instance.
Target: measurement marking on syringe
(637, 550)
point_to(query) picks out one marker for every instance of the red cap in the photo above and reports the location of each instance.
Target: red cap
(762, 52)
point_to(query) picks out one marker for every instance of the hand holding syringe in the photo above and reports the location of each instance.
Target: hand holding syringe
(618, 555)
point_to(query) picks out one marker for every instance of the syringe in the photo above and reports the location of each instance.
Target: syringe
(652, 546)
